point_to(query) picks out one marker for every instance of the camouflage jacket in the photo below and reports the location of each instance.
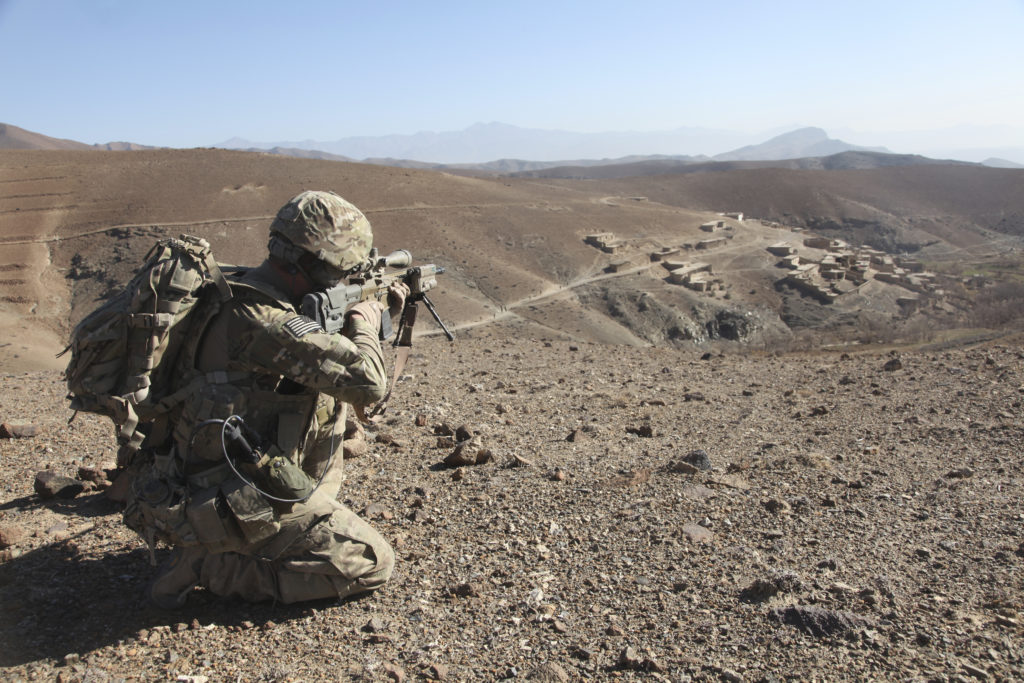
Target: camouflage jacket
(277, 370)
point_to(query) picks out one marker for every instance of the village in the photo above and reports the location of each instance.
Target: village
(821, 267)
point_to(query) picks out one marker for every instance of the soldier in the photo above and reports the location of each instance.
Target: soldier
(271, 377)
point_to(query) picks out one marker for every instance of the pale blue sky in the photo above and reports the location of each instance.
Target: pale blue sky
(191, 73)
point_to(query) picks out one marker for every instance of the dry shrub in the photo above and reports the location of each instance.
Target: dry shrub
(998, 306)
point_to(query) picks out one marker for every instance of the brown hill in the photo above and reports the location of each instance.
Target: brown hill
(76, 223)
(12, 137)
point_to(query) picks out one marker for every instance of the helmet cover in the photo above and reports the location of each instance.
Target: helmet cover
(328, 227)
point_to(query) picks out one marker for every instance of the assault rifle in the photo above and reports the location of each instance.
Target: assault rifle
(328, 307)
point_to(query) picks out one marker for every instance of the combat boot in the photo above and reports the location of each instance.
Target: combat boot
(176, 577)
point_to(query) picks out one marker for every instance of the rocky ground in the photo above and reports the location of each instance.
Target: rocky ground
(643, 514)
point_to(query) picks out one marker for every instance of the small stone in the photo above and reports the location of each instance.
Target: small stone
(893, 365)
(830, 563)
(22, 431)
(458, 474)
(976, 672)
(387, 440)
(557, 475)
(463, 433)
(777, 506)
(629, 659)
(697, 534)
(394, 672)
(699, 459)
(374, 625)
(548, 672)
(445, 442)
(763, 589)
(693, 396)
(683, 467)
(817, 621)
(11, 535)
(731, 481)
(465, 453)
(52, 485)
(58, 528)
(438, 671)
(421, 420)
(95, 475)
(354, 448)
(962, 473)
(644, 430)
(581, 653)
(614, 630)
(466, 590)
(519, 461)
(374, 511)
(731, 676)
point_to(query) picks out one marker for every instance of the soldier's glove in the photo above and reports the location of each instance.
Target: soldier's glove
(397, 293)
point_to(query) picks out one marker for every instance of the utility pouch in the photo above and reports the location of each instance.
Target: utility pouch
(212, 522)
(156, 510)
(251, 510)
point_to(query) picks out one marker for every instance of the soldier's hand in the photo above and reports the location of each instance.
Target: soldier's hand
(397, 294)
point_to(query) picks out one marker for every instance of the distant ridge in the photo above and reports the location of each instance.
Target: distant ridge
(486, 142)
(12, 137)
(843, 161)
(996, 162)
(797, 144)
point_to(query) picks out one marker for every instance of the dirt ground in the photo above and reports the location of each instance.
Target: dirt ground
(862, 518)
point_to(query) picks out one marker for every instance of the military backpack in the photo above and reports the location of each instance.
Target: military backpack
(124, 354)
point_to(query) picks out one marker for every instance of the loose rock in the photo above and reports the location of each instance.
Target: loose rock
(818, 621)
(52, 485)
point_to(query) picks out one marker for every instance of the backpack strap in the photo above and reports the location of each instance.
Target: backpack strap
(200, 250)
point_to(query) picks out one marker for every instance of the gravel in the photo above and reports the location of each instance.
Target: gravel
(857, 521)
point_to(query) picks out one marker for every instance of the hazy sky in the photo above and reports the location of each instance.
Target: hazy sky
(188, 73)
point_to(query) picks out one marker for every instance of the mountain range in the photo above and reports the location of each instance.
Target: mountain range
(497, 148)
(510, 146)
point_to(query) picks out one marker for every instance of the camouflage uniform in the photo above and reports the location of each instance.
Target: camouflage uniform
(289, 381)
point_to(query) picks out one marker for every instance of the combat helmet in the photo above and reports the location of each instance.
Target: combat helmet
(323, 225)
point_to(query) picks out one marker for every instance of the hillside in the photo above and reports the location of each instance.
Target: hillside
(12, 137)
(76, 223)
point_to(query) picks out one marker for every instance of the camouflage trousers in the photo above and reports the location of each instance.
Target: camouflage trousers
(324, 550)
